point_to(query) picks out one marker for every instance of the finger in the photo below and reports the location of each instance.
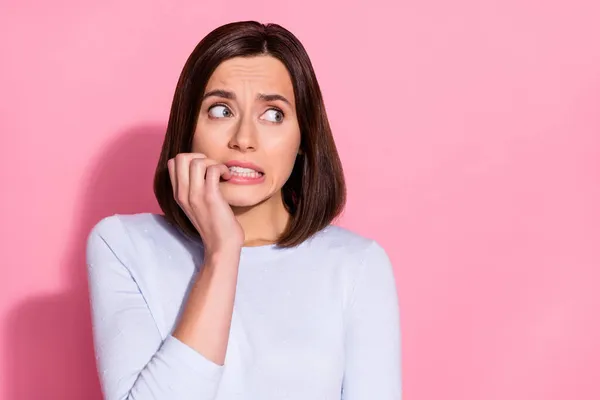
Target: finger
(213, 177)
(209, 162)
(182, 174)
(197, 172)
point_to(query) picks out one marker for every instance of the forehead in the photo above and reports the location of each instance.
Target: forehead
(264, 73)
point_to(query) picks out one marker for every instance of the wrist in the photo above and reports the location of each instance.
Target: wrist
(225, 256)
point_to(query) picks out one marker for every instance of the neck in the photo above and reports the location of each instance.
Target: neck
(262, 223)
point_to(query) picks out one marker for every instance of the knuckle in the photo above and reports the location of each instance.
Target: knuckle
(196, 162)
(195, 203)
(181, 197)
(212, 197)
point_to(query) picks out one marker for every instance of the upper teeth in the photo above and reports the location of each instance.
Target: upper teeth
(244, 171)
(241, 169)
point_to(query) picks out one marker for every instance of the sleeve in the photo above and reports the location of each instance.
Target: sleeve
(133, 361)
(373, 343)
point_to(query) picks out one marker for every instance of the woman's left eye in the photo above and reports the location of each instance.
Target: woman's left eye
(274, 115)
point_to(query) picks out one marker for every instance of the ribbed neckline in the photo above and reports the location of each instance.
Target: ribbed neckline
(266, 248)
(251, 254)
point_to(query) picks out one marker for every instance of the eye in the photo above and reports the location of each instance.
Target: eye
(274, 115)
(219, 111)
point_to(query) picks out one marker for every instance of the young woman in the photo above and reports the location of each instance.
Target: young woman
(244, 288)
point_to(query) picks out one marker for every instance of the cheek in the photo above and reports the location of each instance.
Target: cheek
(206, 141)
(198, 141)
(283, 164)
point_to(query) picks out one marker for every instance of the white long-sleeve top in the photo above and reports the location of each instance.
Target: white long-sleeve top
(316, 322)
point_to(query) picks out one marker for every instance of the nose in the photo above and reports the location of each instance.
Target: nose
(244, 138)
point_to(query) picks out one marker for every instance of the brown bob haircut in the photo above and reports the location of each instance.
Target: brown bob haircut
(315, 193)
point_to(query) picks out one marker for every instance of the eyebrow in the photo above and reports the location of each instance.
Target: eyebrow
(225, 94)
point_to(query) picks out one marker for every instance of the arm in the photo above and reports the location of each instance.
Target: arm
(373, 353)
(134, 362)
(206, 319)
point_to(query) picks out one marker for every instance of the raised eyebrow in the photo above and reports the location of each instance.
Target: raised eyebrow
(225, 94)
(273, 97)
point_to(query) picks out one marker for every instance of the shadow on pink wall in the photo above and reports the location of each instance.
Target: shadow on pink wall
(49, 348)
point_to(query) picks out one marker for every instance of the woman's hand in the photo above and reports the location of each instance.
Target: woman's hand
(195, 181)
(206, 320)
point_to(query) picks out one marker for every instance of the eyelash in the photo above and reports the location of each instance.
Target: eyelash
(219, 104)
(225, 105)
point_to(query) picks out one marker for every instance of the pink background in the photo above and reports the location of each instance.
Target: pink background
(470, 133)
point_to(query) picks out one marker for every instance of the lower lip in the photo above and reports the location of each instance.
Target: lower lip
(244, 180)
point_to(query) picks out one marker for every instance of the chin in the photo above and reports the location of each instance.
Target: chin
(242, 196)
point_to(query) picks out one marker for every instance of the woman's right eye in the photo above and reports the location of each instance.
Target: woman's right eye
(219, 111)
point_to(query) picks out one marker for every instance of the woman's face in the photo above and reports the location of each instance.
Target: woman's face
(248, 117)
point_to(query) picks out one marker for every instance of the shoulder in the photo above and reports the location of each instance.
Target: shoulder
(135, 237)
(120, 224)
(360, 263)
(130, 228)
(354, 254)
(343, 241)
